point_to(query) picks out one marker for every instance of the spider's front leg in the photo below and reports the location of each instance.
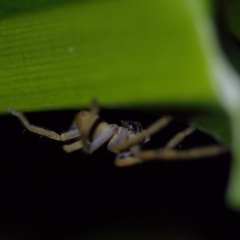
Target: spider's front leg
(136, 156)
(145, 134)
(172, 154)
(127, 158)
(73, 133)
(168, 153)
(179, 137)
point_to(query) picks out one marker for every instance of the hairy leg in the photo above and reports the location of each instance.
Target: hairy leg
(44, 132)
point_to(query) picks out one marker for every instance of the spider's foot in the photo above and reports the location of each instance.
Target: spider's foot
(126, 159)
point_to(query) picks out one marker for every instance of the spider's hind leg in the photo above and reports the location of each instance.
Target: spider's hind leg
(44, 132)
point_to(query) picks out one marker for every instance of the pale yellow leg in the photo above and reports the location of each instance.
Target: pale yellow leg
(72, 146)
(98, 142)
(155, 127)
(95, 109)
(129, 161)
(171, 154)
(44, 132)
(179, 137)
(126, 159)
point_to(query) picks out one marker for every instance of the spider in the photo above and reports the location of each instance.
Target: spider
(91, 132)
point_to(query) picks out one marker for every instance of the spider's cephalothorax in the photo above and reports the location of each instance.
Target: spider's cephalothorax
(132, 126)
(92, 132)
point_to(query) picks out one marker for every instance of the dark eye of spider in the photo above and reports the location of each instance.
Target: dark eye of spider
(132, 126)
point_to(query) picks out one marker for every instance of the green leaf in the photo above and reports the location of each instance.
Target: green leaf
(122, 52)
(230, 89)
(227, 85)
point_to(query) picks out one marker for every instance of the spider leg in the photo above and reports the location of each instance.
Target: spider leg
(171, 154)
(98, 142)
(173, 142)
(158, 125)
(121, 136)
(73, 146)
(72, 133)
(44, 132)
(126, 159)
(95, 109)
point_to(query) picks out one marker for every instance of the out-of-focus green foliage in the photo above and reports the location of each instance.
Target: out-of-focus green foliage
(229, 19)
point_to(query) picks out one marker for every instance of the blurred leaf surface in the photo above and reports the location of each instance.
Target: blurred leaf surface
(59, 55)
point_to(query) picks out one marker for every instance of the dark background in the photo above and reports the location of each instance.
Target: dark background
(46, 193)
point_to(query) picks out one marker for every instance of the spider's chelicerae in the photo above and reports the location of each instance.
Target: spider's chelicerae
(91, 132)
